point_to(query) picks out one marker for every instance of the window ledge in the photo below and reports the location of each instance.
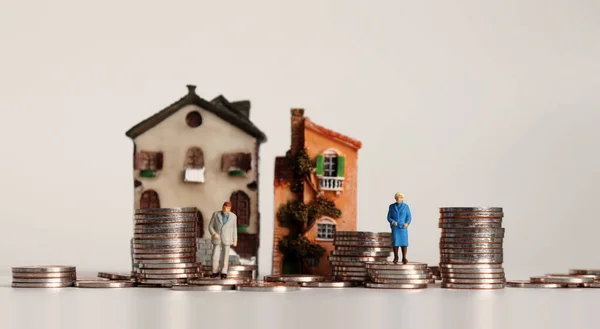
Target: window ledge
(324, 239)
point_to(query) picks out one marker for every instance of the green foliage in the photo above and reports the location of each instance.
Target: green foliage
(293, 214)
(299, 247)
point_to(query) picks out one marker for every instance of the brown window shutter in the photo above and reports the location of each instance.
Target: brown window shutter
(226, 161)
(247, 162)
(138, 161)
(159, 161)
(199, 159)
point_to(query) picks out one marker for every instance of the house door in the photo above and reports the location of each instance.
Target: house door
(240, 205)
(199, 225)
(149, 199)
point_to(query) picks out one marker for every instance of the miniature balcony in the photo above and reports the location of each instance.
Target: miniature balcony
(330, 183)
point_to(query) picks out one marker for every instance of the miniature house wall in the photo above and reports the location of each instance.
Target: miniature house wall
(335, 177)
(197, 153)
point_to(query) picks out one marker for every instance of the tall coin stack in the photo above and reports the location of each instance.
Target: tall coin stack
(354, 249)
(164, 246)
(43, 276)
(471, 253)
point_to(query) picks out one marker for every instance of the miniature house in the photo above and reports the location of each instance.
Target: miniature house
(333, 176)
(197, 153)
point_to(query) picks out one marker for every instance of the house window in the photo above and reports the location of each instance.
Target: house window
(148, 163)
(194, 158)
(240, 206)
(325, 229)
(330, 171)
(237, 164)
(193, 119)
(149, 199)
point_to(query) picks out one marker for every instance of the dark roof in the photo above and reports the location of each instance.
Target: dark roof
(236, 113)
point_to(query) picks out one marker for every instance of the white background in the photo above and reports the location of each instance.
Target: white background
(457, 103)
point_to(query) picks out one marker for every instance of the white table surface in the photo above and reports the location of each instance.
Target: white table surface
(363, 308)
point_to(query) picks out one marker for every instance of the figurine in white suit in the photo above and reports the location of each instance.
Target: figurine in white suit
(223, 231)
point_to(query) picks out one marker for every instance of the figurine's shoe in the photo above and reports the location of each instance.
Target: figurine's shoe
(223, 276)
(214, 275)
(404, 261)
(395, 260)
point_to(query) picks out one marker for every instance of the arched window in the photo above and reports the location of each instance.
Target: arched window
(325, 229)
(149, 199)
(240, 206)
(194, 158)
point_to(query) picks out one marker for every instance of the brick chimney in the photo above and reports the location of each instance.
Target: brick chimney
(297, 131)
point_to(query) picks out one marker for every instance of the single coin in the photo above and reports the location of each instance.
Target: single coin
(43, 268)
(473, 276)
(399, 281)
(346, 264)
(355, 259)
(349, 268)
(359, 253)
(472, 246)
(165, 261)
(593, 277)
(451, 251)
(401, 276)
(362, 244)
(162, 256)
(362, 233)
(528, 284)
(366, 249)
(328, 284)
(164, 245)
(293, 278)
(348, 274)
(44, 275)
(104, 284)
(211, 281)
(229, 272)
(471, 209)
(472, 240)
(476, 286)
(43, 280)
(114, 276)
(452, 218)
(472, 271)
(474, 280)
(169, 276)
(593, 285)
(193, 250)
(176, 235)
(469, 225)
(266, 287)
(350, 278)
(390, 265)
(208, 267)
(166, 210)
(581, 271)
(567, 279)
(166, 282)
(395, 286)
(457, 261)
(471, 235)
(185, 287)
(42, 285)
(164, 228)
(171, 266)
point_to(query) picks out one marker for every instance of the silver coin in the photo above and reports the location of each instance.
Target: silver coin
(471, 240)
(170, 266)
(264, 287)
(363, 233)
(210, 281)
(401, 276)
(230, 272)
(397, 272)
(355, 259)
(174, 235)
(470, 225)
(346, 264)
(169, 271)
(163, 256)
(42, 285)
(165, 282)
(349, 269)
(451, 218)
(399, 281)
(592, 277)
(169, 276)
(348, 274)
(470, 209)
(140, 222)
(293, 278)
(359, 253)
(472, 261)
(43, 268)
(593, 285)
(566, 279)
(368, 249)
(359, 244)
(472, 280)
(452, 251)
(475, 286)
(165, 251)
(164, 245)
(473, 276)
(328, 284)
(444, 266)
(167, 210)
(584, 271)
(163, 240)
(231, 268)
(114, 276)
(392, 266)
(185, 287)
(104, 284)
(394, 286)
(528, 284)
(452, 271)
(165, 228)
(350, 278)
(474, 246)
(44, 275)
(491, 230)
(43, 280)
(165, 261)
(162, 218)
(472, 256)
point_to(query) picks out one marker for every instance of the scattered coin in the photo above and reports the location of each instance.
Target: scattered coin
(216, 281)
(328, 284)
(475, 286)
(584, 272)
(266, 287)
(114, 276)
(293, 278)
(529, 284)
(395, 285)
(104, 284)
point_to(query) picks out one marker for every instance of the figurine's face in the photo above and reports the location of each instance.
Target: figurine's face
(399, 199)
(226, 209)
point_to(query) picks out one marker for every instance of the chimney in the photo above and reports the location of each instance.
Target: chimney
(191, 89)
(297, 131)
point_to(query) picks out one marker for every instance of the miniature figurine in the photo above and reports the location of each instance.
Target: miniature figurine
(399, 217)
(223, 231)
(195, 152)
(315, 191)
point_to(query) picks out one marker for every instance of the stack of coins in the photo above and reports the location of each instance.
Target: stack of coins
(354, 249)
(233, 271)
(576, 278)
(387, 275)
(471, 253)
(43, 276)
(164, 246)
(293, 278)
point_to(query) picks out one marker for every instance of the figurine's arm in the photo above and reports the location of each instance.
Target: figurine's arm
(408, 216)
(390, 214)
(211, 224)
(235, 233)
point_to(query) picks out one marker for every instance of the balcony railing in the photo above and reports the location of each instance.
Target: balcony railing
(330, 183)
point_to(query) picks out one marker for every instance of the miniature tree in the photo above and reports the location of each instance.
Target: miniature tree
(299, 217)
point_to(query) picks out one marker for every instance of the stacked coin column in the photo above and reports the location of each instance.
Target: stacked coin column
(471, 253)
(353, 249)
(43, 276)
(164, 246)
(234, 271)
(386, 275)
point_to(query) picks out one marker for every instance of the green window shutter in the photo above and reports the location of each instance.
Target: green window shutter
(320, 161)
(340, 166)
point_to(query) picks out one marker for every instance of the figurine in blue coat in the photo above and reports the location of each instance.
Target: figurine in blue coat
(399, 217)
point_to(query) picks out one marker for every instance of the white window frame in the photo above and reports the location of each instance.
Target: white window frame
(326, 221)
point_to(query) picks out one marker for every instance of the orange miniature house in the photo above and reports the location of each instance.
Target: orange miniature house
(333, 176)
